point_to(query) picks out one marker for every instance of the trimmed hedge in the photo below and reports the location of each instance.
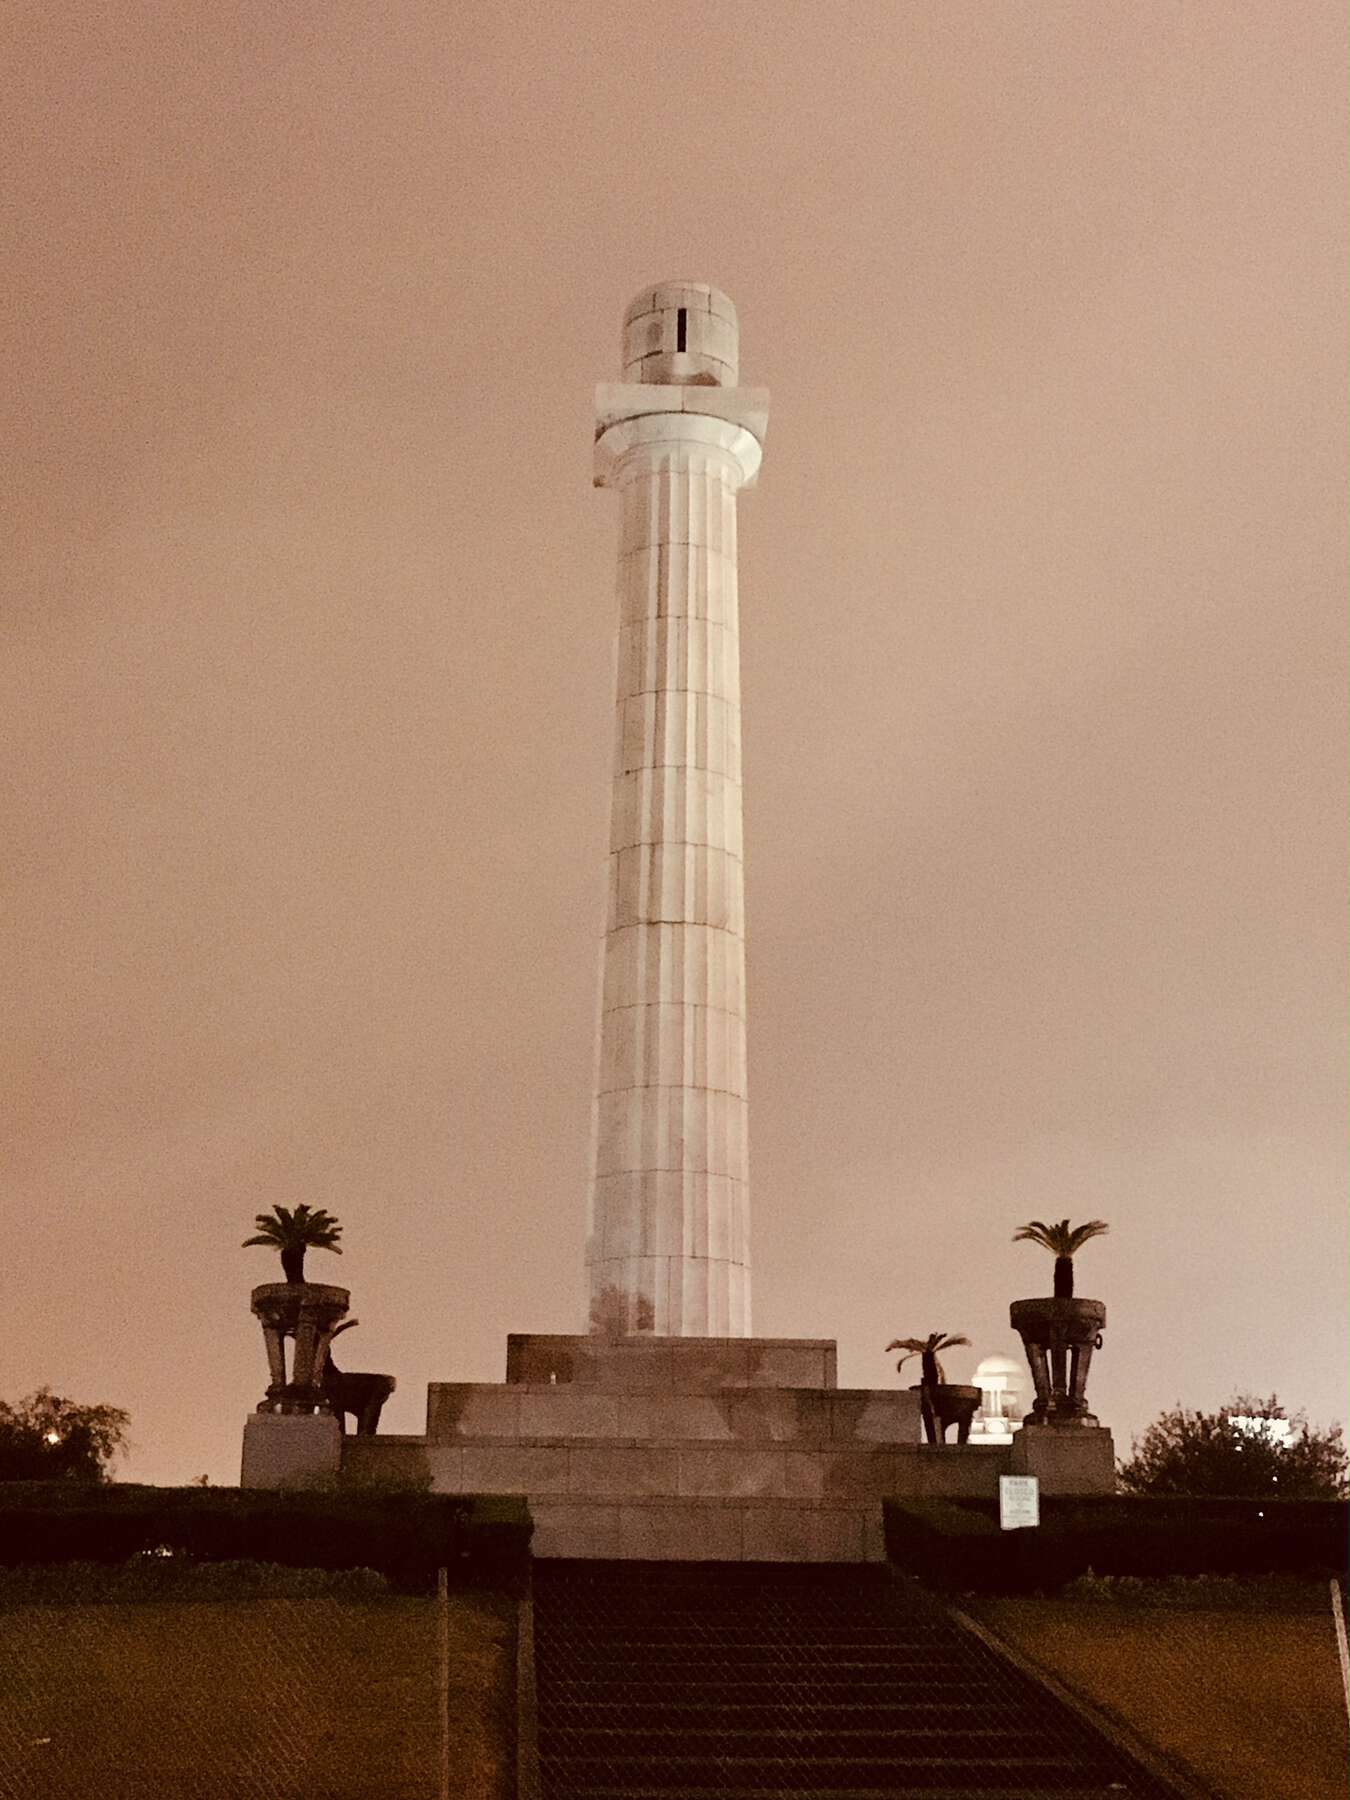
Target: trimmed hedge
(158, 1576)
(483, 1542)
(958, 1545)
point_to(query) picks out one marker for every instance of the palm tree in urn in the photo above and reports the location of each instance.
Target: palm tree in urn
(926, 1349)
(1063, 1241)
(294, 1232)
(939, 1405)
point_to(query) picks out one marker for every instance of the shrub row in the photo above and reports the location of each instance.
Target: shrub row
(957, 1544)
(176, 1576)
(405, 1537)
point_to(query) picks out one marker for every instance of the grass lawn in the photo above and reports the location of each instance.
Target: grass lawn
(1249, 1700)
(292, 1699)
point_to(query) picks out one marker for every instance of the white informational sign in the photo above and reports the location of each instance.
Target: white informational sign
(1019, 1501)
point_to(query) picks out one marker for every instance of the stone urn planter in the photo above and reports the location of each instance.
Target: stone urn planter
(1059, 1336)
(308, 1313)
(941, 1402)
(945, 1404)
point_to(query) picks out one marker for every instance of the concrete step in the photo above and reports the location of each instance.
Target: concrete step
(478, 1412)
(560, 1466)
(1074, 1791)
(798, 1740)
(645, 1527)
(873, 1684)
(668, 1365)
(777, 1712)
(900, 1772)
(768, 1631)
(603, 1659)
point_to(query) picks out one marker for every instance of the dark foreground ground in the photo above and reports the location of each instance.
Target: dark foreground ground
(1245, 1693)
(334, 1696)
(288, 1699)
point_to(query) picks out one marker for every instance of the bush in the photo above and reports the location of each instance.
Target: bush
(1264, 1593)
(1250, 1447)
(405, 1537)
(957, 1544)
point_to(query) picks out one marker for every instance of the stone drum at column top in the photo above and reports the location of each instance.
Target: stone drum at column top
(668, 1237)
(683, 333)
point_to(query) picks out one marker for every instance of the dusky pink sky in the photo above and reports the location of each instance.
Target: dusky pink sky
(307, 670)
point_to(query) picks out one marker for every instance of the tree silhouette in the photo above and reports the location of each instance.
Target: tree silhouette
(48, 1438)
(1242, 1450)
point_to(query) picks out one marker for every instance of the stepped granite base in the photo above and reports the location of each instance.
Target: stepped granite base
(667, 1449)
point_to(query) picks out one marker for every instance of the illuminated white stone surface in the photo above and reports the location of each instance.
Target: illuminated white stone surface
(667, 1431)
(668, 1236)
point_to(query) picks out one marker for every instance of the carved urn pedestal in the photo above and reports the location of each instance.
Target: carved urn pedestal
(307, 1313)
(1061, 1442)
(293, 1439)
(1059, 1337)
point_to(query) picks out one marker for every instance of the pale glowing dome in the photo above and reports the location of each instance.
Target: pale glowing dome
(999, 1374)
(1003, 1383)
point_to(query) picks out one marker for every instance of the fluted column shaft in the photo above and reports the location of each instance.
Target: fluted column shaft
(668, 1242)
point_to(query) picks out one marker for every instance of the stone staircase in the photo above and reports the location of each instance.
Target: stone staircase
(719, 1682)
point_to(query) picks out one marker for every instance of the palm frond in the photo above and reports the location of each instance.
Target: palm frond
(1061, 1239)
(925, 1347)
(304, 1228)
(1037, 1232)
(1081, 1234)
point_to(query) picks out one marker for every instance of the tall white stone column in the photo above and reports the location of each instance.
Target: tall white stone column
(668, 1239)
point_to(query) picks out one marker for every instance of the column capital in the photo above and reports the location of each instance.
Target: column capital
(641, 417)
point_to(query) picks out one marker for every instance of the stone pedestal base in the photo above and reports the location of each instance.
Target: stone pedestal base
(672, 1448)
(1067, 1459)
(290, 1450)
(711, 1449)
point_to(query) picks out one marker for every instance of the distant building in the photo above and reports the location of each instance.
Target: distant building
(1003, 1384)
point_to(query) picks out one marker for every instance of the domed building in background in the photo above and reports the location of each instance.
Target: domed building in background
(1003, 1384)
